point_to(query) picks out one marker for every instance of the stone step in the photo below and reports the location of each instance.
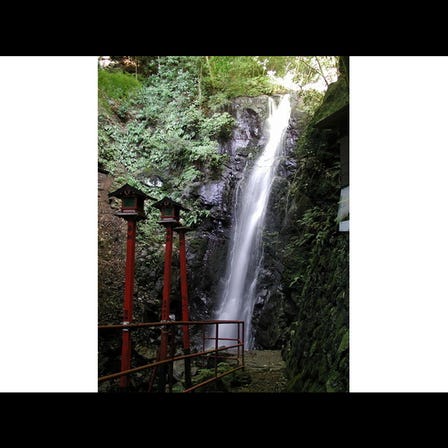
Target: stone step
(266, 369)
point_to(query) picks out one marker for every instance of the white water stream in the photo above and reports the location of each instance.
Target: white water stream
(245, 255)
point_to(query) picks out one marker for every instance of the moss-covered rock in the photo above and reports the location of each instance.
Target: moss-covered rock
(316, 259)
(336, 97)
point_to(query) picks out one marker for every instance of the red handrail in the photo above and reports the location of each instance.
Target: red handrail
(239, 345)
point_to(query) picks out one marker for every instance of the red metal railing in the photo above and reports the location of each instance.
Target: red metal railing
(235, 351)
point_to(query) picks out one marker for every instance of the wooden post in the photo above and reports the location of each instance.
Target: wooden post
(132, 210)
(169, 218)
(165, 315)
(127, 305)
(184, 297)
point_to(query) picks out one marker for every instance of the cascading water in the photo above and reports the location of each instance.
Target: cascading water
(245, 255)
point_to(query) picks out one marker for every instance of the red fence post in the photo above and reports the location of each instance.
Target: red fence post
(184, 297)
(165, 315)
(169, 218)
(184, 286)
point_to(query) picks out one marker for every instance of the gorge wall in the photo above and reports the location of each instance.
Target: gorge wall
(316, 256)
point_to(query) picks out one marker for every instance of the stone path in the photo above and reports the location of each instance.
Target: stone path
(266, 368)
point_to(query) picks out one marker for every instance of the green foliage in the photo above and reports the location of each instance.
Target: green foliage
(206, 374)
(196, 216)
(234, 379)
(237, 76)
(311, 100)
(217, 102)
(116, 85)
(107, 151)
(166, 132)
(219, 126)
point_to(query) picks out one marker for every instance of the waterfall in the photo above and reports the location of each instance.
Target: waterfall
(245, 255)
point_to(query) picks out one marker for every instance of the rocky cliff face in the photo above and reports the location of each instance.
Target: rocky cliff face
(208, 245)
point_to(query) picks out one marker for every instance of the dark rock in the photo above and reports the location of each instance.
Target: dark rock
(212, 193)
